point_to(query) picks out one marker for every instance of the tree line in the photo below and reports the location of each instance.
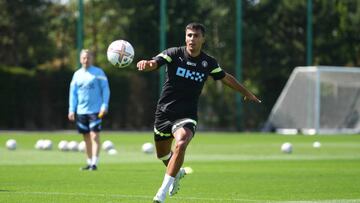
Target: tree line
(38, 54)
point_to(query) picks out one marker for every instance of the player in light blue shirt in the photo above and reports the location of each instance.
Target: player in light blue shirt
(89, 99)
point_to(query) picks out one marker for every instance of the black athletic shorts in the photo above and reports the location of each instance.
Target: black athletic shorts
(166, 125)
(88, 122)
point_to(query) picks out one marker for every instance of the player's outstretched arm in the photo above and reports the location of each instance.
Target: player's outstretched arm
(230, 81)
(147, 65)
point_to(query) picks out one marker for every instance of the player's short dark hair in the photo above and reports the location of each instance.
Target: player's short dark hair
(196, 26)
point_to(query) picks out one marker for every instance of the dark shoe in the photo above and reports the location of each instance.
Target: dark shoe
(85, 168)
(93, 168)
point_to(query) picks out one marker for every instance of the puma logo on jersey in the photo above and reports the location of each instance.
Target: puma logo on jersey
(188, 74)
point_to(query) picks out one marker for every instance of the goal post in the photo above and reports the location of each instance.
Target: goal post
(322, 99)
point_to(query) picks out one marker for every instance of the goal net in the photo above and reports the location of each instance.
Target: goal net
(322, 99)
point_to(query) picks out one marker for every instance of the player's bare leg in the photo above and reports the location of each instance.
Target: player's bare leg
(164, 153)
(95, 143)
(88, 150)
(182, 137)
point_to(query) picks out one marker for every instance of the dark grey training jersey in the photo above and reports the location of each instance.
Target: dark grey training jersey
(185, 78)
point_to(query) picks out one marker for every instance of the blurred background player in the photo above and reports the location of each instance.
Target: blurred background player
(176, 114)
(89, 99)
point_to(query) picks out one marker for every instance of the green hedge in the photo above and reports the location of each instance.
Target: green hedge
(38, 100)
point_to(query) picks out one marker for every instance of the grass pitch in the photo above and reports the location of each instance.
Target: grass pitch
(228, 167)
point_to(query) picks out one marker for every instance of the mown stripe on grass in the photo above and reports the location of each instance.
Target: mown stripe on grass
(183, 198)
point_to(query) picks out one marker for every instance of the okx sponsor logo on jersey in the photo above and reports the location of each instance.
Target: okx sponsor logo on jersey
(189, 74)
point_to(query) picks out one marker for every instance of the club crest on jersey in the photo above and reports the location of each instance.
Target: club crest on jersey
(188, 74)
(204, 64)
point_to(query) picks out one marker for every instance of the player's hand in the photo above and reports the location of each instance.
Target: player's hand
(146, 65)
(71, 116)
(102, 114)
(252, 97)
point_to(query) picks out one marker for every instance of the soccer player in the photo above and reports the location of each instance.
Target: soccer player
(89, 99)
(176, 114)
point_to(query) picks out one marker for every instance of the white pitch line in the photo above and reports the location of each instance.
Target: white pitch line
(186, 198)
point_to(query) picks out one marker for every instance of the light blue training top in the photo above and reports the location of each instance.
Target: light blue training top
(89, 91)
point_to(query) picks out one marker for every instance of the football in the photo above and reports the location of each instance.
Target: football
(147, 148)
(11, 144)
(46, 145)
(72, 145)
(286, 147)
(63, 145)
(81, 146)
(107, 145)
(120, 53)
(317, 144)
(39, 144)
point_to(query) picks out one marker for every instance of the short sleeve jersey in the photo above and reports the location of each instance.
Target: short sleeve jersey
(185, 79)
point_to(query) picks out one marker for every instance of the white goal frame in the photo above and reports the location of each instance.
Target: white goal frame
(310, 120)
